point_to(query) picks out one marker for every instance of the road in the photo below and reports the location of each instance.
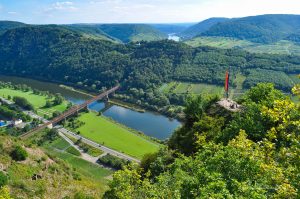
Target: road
(98, 146)
(84, 156)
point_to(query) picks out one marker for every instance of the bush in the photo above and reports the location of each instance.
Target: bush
(3, 179)
(113, 161)
(19, 154)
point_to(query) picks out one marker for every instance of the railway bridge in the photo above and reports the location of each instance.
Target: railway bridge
(74, 109)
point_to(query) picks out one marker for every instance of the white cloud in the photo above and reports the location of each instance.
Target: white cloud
(12, 13)
(140, 11)
(62, 6)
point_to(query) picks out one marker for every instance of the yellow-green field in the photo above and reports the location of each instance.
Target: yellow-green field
(38, 101)
(104, 131)
(190, 88)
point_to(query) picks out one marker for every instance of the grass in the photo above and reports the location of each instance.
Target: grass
(190, 88)
(73, 151)
(85, 168)
(110, 134)
(60, 144)
(219, 42)
(38, 101)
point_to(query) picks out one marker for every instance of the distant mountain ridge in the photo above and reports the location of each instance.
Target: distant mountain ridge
(201, 27)
(259, 29)
(8, 25)
(133, 32)
(113, 32)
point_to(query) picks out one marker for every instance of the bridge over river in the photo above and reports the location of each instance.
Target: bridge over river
(74, 109)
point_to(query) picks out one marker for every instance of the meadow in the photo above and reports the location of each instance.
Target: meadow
(38, 101)
(113, 135)
(191, 88)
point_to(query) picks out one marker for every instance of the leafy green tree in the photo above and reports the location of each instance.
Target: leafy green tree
(58, 99)
(23, 102)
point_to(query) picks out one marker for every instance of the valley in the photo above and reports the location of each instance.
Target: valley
(207, 109)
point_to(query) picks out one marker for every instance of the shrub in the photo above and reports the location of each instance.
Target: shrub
(19, 154)
(113, 161)
(3, 179)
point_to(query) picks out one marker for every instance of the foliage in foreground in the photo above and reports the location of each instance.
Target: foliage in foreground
(252, 154)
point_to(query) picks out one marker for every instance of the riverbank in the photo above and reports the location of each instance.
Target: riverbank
(126, 105)
(75, 90)
(103, 131)
(150, 122)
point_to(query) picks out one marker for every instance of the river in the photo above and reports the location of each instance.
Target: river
(151, 124)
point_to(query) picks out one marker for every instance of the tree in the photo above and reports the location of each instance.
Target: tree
(19, 154)
(48, 104)
(58, 99)
(23, 102)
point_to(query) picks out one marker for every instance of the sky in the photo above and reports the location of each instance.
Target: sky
(138, 11)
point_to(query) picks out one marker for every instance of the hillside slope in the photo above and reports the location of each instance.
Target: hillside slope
(56, 54)
(260, 29)
(48, 173)
(133, 32)
(90, 30)
(8, 25)
(201, 27)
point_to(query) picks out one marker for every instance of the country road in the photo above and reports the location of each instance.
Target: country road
(98, 146)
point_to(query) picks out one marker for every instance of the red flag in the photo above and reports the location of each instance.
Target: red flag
(227, 81)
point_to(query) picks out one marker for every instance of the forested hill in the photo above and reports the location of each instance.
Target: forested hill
(261, 29)
(201, 27)
(55, 53)
(133, 32)
(8, 25)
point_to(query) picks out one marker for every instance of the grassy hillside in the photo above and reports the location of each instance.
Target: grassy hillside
(49, 173)
(260, 29)
(133, 32)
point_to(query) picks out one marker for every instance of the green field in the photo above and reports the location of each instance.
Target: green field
(281, 47)
(190, 88)
(60, 144)
(38, 101)
(219, 42)
(110, 134)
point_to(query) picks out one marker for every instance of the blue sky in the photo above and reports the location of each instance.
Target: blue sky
(138, 11)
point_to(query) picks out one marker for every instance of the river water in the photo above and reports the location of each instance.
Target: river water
(151, 124)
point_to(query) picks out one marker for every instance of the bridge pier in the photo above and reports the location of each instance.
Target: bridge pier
(50, 126)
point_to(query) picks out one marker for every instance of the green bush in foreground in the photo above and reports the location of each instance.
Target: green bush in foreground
(19, 154)
(3, 179)
(113, 161)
